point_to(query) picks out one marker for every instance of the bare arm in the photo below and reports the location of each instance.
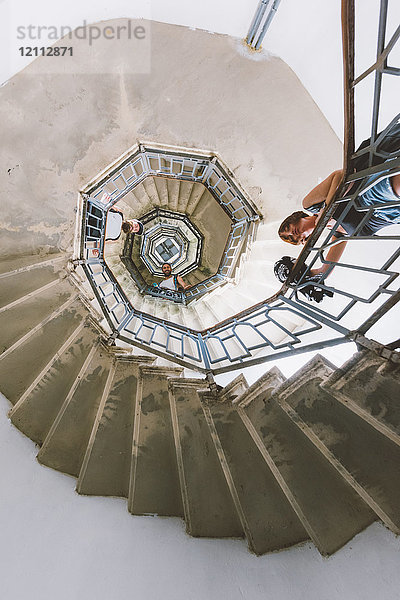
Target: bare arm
(182, 283)
(395, 181)
(115, 209)
(324, 191)
(333, 255)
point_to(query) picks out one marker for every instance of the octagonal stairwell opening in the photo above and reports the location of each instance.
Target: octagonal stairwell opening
(209, 222)
(193, 189)
(197, 234)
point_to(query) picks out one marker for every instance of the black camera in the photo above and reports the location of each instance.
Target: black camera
(310, 287)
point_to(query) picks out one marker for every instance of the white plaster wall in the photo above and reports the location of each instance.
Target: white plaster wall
(305, 34)
(56, 545)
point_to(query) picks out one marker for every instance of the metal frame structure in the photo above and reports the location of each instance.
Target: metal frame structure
(261, 333)
(163, 216)
(145, 160)
(262, 20)
(126, 257)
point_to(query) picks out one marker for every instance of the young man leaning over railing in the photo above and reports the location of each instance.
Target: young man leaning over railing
(297, 228)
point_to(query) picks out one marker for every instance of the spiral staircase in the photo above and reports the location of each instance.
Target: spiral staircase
(283, 461)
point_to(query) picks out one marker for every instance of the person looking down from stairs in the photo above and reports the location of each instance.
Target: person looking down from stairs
(298, 226)
(172, 282)
(116, 223)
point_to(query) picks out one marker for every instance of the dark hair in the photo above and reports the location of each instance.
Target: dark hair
(291, 220)
(126, 227)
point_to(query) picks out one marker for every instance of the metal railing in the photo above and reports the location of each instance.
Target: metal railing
(284, 324)
(262, 20)
(164, 218)
(144, 161)
(357, 305)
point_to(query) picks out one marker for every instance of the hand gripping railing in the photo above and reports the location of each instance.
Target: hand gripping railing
(285, 324)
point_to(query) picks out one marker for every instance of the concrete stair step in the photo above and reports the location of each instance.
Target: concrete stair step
(267, 517)
(148, 305)
(205, 316)
(106, 466)
(244, 298)
(370, 386)
(260, 270)
(194, 277)
(365, 457)
(154, 479)
(223, 346)
(131, 291)
(264, 289)
(233, 391)
(10, 265)
(21, 318)
(112, 251)
(220, 291)
(236, 298)
(152, 191)
(196, 194)
(128, 210)
(267, 231)
(162, 190)
(18, 285)
(220, 307)
(140, 199)
(28, 356)
(275, 332)
(156, 307)
(209, 507)
(173, 186)
(66, 442)
(185, 191)
(190, 318)
(133, 204)
(268, 251)
(176, 313)
(328, 507)
(40, 404)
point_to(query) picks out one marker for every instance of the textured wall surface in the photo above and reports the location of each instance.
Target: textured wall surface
(61, 129)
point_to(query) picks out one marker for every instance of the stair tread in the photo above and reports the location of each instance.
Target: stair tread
(19, 368)
(332, 509)
(18, 320)
(35, 414)
(271, 522)
(14, 263)
(162, 190)
(106, 467)
(151, 190)
(185, 190)
(350, 439)
(196, 193)
(173, 186)
(211, 510)
(373, 384)
(19, 285)
(154, 477)
(65, 445)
